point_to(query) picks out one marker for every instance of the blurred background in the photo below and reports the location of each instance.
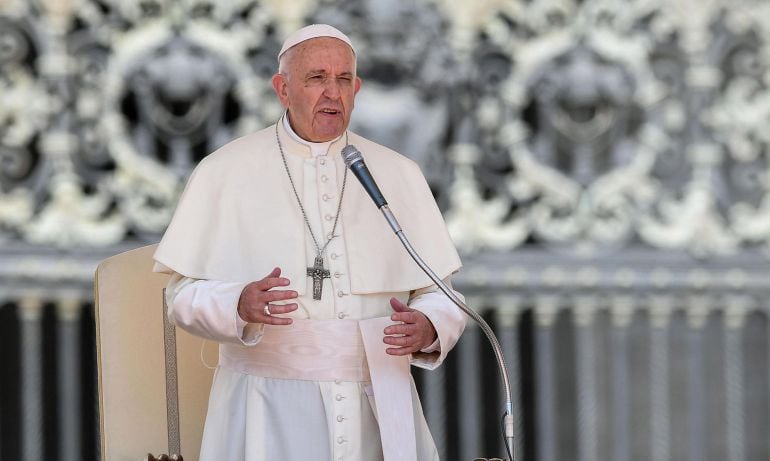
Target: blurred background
(601, 164)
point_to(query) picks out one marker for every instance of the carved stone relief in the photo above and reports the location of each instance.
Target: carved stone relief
(587, 126)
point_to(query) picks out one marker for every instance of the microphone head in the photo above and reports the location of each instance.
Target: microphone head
(351, 155)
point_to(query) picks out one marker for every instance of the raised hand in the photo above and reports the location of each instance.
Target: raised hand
(414, 334)
(255, 306)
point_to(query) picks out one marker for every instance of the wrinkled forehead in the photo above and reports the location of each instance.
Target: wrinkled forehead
(322, 47)
(320, 54)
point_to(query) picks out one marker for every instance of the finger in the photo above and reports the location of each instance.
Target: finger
(274, 273)
(276, 309)
(400, 329)
(401, 350)
(406, 317)
(275, 295)
(398, 306)
(272, 282)
(403, 341)
(270, 320)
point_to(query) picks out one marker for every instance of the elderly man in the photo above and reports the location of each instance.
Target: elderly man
(281, 258)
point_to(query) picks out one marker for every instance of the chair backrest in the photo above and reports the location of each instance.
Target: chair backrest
(132, 364)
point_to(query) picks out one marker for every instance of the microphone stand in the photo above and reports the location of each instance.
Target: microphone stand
(508, 416)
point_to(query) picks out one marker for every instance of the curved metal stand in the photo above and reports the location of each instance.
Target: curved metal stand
(508, 416)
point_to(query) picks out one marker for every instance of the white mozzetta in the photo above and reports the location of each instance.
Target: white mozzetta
(226, 226)
(238, 219)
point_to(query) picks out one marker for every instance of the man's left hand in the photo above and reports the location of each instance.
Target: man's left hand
(414, 334)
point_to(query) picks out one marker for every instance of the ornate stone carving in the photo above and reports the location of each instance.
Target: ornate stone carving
(612, 128)
(585, 126)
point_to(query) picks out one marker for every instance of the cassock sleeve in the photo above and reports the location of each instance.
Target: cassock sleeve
(448, 320)
(209, 309)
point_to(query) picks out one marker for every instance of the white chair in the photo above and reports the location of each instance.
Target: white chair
(153, 386)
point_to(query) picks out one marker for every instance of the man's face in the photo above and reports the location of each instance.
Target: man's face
(319, 88)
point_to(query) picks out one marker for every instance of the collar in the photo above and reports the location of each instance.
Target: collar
(317, 149)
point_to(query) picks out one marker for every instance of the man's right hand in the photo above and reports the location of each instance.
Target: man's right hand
(256, 295)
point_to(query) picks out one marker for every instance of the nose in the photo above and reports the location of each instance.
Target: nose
(332, 88)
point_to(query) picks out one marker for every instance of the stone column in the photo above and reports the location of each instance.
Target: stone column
(546, 310)
(622, 311)
(585, 351)
(735, 315)
(660, 418)
(470, 390)
(31, 315)
(697, 316)
(68, 312)
(507, 317)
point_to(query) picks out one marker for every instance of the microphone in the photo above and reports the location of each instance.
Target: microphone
(355, 161)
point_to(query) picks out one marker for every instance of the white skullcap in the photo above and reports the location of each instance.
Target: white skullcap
(313, 31)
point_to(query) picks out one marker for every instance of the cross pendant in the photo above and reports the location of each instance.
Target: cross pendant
(319, 274)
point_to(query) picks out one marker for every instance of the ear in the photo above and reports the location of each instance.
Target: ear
(358, 85)
(280, 88)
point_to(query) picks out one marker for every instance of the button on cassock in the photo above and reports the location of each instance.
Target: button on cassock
(340, 418)
(342, 315)
(341, 440)
(339, 397)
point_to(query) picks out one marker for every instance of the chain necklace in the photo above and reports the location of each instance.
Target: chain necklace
(317, 271)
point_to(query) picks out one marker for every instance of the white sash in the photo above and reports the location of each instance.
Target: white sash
(346, 350)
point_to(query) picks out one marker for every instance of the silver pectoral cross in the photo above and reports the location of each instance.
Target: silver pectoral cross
(319, 274)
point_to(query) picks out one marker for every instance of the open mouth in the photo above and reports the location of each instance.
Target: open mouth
(331, 111)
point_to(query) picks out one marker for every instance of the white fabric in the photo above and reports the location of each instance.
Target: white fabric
(310, 350)
(254, 418)
(228, 214)
(338, 350)
(208, 310)
(233, 415)
(313, 31)
(390, 377)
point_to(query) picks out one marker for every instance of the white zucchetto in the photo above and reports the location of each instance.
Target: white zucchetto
(313, 31)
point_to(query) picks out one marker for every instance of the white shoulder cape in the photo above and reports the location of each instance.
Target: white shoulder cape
(238, 218)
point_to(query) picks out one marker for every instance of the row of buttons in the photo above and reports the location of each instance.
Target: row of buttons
(340, 418)
(328, 196)
(329, 217)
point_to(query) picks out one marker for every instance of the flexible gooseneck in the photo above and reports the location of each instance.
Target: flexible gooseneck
(354, 160)
(508, 416)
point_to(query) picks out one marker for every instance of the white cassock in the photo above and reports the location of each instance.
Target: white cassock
(276, 393)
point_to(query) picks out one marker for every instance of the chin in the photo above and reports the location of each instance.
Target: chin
(328, 135)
